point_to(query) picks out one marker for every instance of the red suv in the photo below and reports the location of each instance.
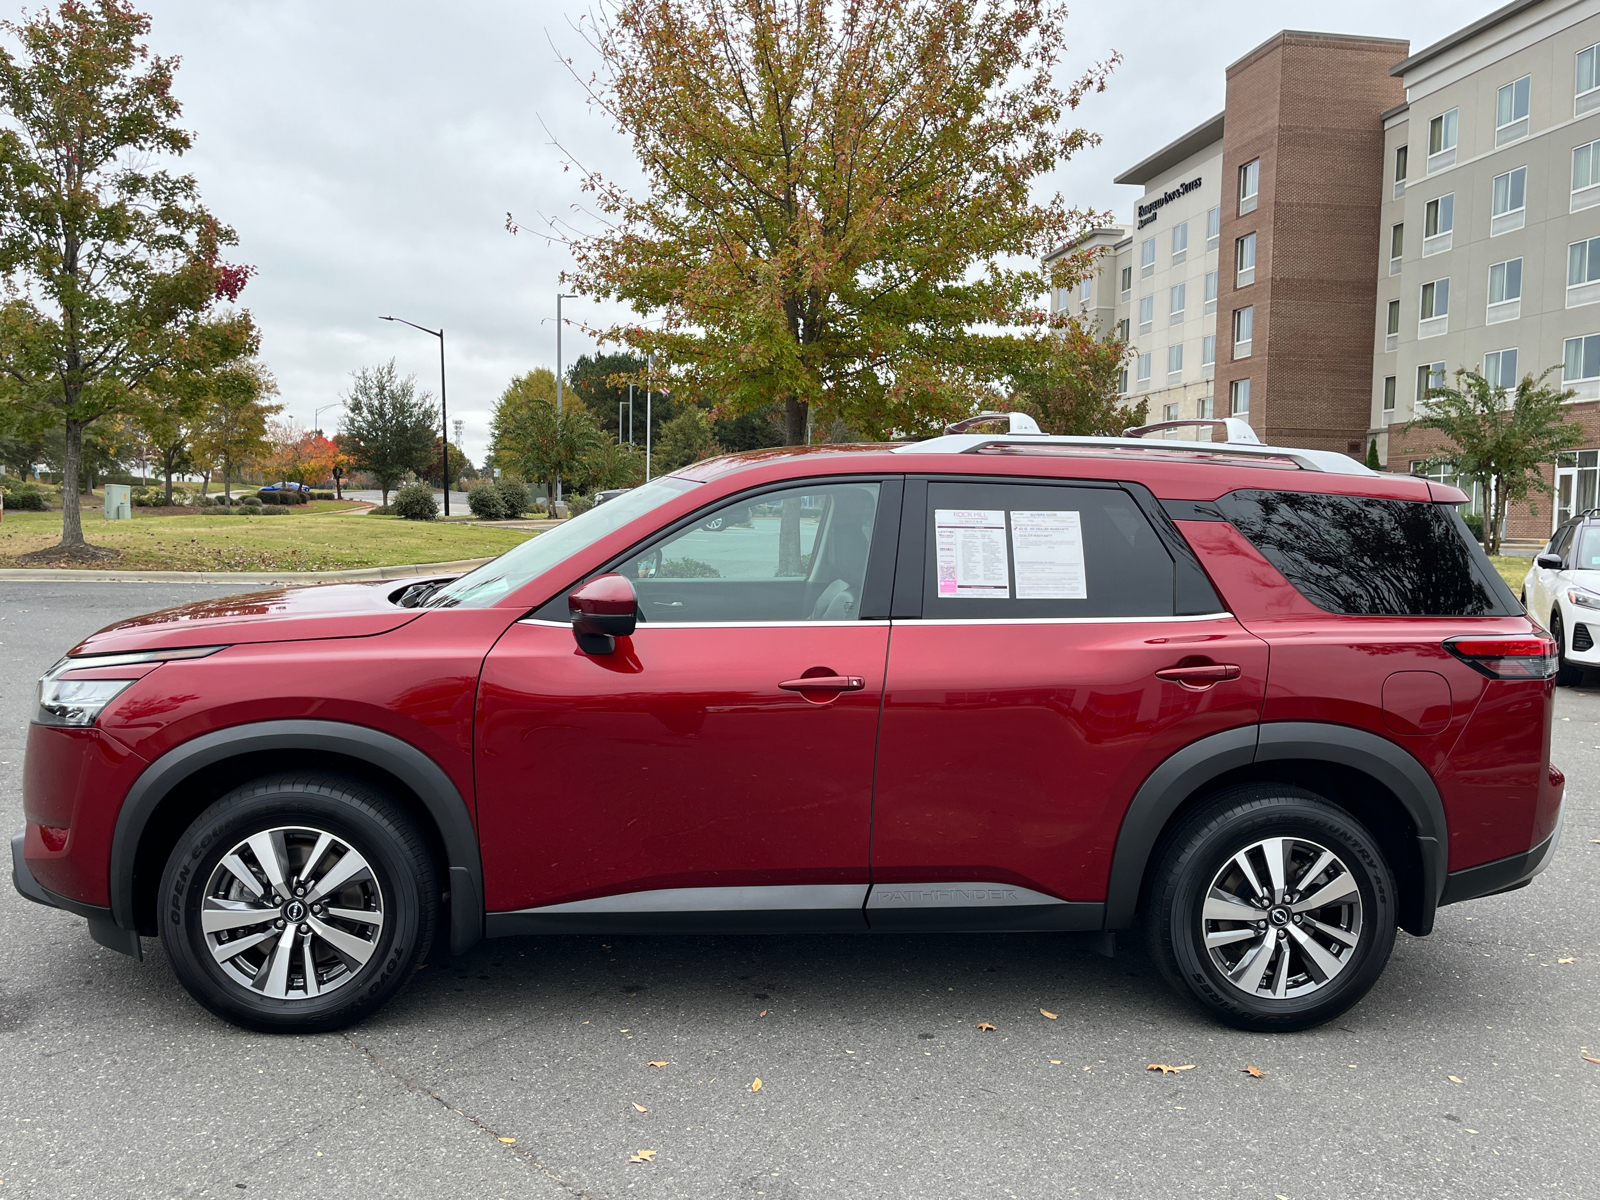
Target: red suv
(1267, 703)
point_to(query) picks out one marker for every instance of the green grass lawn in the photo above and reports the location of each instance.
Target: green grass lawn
(300, 540)
(1512, 570)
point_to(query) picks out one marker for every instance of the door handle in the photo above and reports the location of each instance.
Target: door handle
(824, 683)
(1201, 676)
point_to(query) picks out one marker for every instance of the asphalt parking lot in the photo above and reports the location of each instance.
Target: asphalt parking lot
(524, 1069)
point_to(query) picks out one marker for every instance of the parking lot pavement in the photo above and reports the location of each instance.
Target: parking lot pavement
(1461, 1074)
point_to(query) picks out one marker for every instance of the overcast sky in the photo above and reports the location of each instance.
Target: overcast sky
(368, 153)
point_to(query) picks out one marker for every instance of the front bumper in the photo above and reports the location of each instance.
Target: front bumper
(101, 927)
(1503, 874)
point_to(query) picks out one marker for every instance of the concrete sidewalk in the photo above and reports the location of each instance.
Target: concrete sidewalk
(357, 575)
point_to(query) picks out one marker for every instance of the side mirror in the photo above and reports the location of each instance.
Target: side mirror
(1550, 562)
(603, 610)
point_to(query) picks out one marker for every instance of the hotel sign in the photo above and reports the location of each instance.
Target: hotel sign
(1149, 212)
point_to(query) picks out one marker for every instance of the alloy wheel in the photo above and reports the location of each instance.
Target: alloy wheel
(1282, 918)
(292, 913)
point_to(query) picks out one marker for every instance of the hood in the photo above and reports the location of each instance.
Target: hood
(338, 610)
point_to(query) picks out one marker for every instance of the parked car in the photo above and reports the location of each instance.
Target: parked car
(1263, 703)
(1562, 591)
(284, 486)
(609, 494)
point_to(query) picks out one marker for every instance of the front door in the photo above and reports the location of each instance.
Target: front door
(715, 770)
(1059, 642)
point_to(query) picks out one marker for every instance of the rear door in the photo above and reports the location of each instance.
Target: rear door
(1053, 643)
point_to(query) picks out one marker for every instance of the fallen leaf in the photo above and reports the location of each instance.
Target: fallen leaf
(985, 1027)
(762, 1013)
(640, 1107)
(1566, 960)
(643, 1156)
(1047, 1014)
(1055, 1062)
(1454, 1078)
(756, 1086)
(1166, 1070)
(656, 1064)
(1253, 1072)
(1472, 1131)
(509, 1141)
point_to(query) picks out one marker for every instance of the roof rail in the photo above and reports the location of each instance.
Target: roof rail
(1328, 461)
(1020, 423)
(1235, 432)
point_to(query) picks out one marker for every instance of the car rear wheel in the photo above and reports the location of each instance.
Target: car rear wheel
(1567, 674)
(298, 903)
(1271, 908)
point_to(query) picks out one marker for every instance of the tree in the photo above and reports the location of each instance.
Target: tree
(460, 464)
(840, 199)
(232, 427)
(169, 433)
(533, 441)
(388, 426)
(601, 382)
(687, 438)
(1078, 389)
(1502, 440)
(112, 263)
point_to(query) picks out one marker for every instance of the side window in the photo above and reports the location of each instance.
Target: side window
(794, 555)
(997, 550)
(1563, 539)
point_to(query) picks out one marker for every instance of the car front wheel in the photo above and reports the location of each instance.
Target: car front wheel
(1567, 675)
(298, 903)
(1271, 908)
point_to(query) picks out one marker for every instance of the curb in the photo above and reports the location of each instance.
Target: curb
(358, 575)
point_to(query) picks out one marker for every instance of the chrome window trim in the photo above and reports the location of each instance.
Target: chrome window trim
(1216, 616)
(643, 625)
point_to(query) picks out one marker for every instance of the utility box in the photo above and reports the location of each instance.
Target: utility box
(119, 502)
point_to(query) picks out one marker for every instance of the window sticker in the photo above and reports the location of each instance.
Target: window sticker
(972, 553)
(1048, 547)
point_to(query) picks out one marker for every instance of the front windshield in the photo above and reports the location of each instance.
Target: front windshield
(487, 584)
(1587, 557)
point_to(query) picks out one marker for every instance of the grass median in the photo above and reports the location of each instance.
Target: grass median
(293, 541)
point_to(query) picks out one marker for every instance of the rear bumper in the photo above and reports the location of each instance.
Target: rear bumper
(101, 927)
(1503, 874)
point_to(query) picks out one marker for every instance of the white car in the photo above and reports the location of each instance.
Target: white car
(1562, 591)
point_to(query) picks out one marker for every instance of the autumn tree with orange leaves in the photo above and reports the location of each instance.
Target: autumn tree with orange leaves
(840, 212)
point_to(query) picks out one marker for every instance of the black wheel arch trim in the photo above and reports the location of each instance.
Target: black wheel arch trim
(426, 779)
(1196, 765)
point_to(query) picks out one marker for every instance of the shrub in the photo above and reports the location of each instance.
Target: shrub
(486, 504)
(299, 497)
(323, 496)
(280, 511)
(579, 504)
(513, 496)
(24, 497)
(382, 510)
(251, 502)
(414, 502)
(1474, 522)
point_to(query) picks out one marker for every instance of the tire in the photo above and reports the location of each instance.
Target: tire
(1567, 674)
(715, 524)
(366, 936)
(1203, 853)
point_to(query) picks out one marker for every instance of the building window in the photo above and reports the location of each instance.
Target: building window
(1147, 258)
(1169, 412)
(1180, 242)
(1239, 397)
(1588, 81)
(1249, 185)
(1447, 475)
(1244, 320)
(1500, 368)
(1388, 398)
(1147, 313)
(1577, 478)
(1174, 362)
(1122, 381)
(1438, 224)
(1401, 153)
(1583, 272)
(1144, 369)
(1086, 290)
(1207, 408)
(1429, 376)
(1511, 111)
(1176, 301)
(1509, 205)
(1391, 331)
(1580, 368)
(1397, 246)
(1122, 330)
(1585, 176)
(1211, 292)
(1244, 260)
(1433, 314)
(1127, 281)
(1442, 141)
(1505, 291)
(1213, 226)
(1208, 350)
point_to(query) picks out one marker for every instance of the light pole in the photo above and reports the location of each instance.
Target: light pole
(630, 414)
(560, 296)
(317, 412)
(649, 385)
(444, 413)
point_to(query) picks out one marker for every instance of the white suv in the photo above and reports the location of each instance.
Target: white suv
(1562, 590)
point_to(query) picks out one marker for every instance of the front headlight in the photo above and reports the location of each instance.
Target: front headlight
(1582, 598)
(79, 702)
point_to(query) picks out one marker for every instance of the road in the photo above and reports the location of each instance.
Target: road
(519, 1071)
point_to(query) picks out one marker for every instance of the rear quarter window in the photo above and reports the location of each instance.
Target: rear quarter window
(1370, 557)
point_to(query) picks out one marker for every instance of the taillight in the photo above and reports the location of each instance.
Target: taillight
(1527, 657)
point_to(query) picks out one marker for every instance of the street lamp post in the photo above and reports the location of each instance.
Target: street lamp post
(444, 412)
(560, 296)
(649, 385)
